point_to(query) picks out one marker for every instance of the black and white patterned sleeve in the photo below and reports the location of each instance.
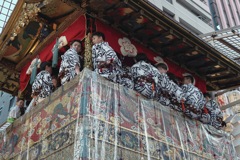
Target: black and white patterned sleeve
(37, 84)
(110, 54)
(165, 84)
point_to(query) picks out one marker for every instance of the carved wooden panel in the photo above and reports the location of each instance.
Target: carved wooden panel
(9, 79)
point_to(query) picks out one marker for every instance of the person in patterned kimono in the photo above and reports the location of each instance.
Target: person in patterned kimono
(42, 86)
(127, 78)
(211, 114)
(144, 76)
(70, 65)
(168, 92)
(194, 99)
(15, 111)
(105, 60)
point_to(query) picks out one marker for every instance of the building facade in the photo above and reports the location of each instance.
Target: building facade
(193, 14)
(225, 13)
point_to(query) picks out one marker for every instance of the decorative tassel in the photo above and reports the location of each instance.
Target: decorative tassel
(55, 54)
(205, 110)
(34, 71)
(183, 106)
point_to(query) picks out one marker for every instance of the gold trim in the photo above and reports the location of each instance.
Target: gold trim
(51, 37)
(88, 52)
(5, 35)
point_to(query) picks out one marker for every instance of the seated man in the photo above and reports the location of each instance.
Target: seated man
(70, 65)
(194, 100)
(15, 111)
(144, 76)
(42, 85)
(105, 60)
(127, 78)
(212, 114)
(168, 92)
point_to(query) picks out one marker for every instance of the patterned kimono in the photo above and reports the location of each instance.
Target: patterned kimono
(127, 78)
(213, 116)
(194, 101)
(70, 60)
(205, 116)
(144, 76)
(101, 53)
(169, 93)
(43, 85)
(14, 112)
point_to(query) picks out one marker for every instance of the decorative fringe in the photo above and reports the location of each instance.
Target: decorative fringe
(55, 54)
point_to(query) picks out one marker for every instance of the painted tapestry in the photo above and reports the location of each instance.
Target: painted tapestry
(92, 118)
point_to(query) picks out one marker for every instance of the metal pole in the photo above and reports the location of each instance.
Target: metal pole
(230, 104)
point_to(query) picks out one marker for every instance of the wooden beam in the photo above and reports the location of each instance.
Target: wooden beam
(230, 83)
(227, 90)
(180, 54)
(223, 78)
(206, 66)
(160, 35)
(217, 72)
(226, 85)
(79, 5)
(196, 60)
(230, 105)
(173, 43)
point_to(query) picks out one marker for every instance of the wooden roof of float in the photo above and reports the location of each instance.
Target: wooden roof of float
(138, 19)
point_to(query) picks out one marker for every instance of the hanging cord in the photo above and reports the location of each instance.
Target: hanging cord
(183, 106)
(120, 127)
(155, 114)
(156, 123)
(55, 53)
(139, 128)
(34, 70)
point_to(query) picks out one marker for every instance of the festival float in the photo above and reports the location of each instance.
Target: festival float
(92, 118)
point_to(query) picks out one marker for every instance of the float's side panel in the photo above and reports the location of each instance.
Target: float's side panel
(91, 118)
(117, 123)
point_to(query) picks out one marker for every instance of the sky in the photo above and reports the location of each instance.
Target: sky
(6, 8)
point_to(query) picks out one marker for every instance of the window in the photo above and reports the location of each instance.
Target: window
(6, 8)
(170, 1)
(1, 110)
(169, 13)
(204, 1)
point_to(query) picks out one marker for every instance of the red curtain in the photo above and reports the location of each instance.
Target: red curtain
(78, 31)
(75, 31)
(112, 36)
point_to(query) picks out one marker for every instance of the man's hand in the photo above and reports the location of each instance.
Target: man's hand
(61, 75)
(34, 94)
(108, 62)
